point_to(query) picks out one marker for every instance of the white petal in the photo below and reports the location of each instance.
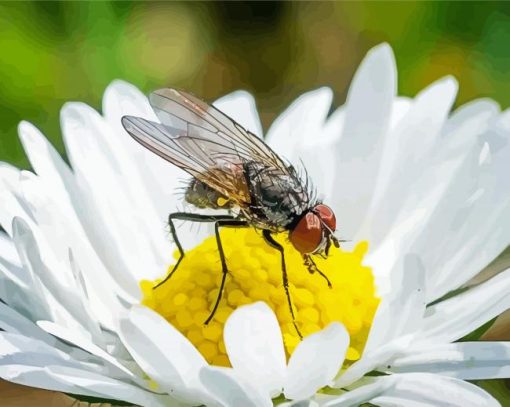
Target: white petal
(10, 205)
(35, 350)
(49, 284)
(318, 163)
(464, 360)
(316, 361)
(164, 354)
(20, 350)
(422, 389)
(15, 281)
(401, 106)
(376, 359)
(397, 319)
(358, 152)
(8, 251)
(52, 240)
(87, 384)
(120, 99)
(401, 312)
(480, 228)
(55, 201)
(300, 136)
(299, 403)
(462, 118)
(59, 228)
(231, 391)
(105, 387)
(455, 317)
(34, 363)
(408, 147)
(240, 106)
(26, 337)
(160, 178)
(46, 161)
(467, 206)
(24, 242)
(430, 208)
(13, 322)
(333, 128)
(505, 119)
(374, 79)
(416, 390)
(13, 291)
(84, 343)
(319, 155)
(255, 347)
(128, 176)
(363, 393)
(302, 119)
(104, 175)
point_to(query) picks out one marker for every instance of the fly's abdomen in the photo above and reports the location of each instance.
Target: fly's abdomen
(203, 196)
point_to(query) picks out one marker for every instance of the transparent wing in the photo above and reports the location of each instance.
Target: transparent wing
(173, 106)
(203, 142)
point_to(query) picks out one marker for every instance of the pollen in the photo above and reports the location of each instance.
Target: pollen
(221, 201)
(255, 274)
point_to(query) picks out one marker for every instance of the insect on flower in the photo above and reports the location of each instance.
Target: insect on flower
(235, 170)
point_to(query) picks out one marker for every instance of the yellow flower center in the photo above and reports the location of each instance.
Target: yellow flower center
(187, 298)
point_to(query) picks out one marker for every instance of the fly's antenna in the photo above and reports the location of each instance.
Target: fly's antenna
(337, 240)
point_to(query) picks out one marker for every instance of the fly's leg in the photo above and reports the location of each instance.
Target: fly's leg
(224, 269)
(192, 217)
(173, 232)
(273, 243)
(312, 268)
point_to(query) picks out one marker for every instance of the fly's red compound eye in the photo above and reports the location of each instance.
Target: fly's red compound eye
(307, 235)
(327, 216)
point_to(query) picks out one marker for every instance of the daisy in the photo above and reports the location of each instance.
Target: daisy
(422, 194)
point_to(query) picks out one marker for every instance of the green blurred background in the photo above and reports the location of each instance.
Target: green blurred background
(52, 52)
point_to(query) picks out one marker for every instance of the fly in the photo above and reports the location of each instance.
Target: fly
(233, 169)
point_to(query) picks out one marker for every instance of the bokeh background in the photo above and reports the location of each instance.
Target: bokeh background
(52, 52)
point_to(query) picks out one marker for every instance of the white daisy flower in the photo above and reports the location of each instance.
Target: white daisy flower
(422, 194)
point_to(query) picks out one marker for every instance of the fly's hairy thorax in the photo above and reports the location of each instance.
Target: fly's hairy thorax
(277, 198)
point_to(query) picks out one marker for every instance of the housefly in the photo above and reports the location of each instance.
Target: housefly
(233, 169)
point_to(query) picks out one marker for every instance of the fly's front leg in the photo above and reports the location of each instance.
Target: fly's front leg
(192, 217)
(273, 243)
(312, 268)
(223, 223)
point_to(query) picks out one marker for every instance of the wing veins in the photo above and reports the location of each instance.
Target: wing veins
(207, 117)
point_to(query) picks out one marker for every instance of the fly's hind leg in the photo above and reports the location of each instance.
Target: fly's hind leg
(223, 223)
(312, 268)
(273, 243)
(173, 232)
(192, 217)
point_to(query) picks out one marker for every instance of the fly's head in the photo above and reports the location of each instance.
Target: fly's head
(313, 233)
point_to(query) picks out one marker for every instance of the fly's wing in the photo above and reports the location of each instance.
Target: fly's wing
(202, 141)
